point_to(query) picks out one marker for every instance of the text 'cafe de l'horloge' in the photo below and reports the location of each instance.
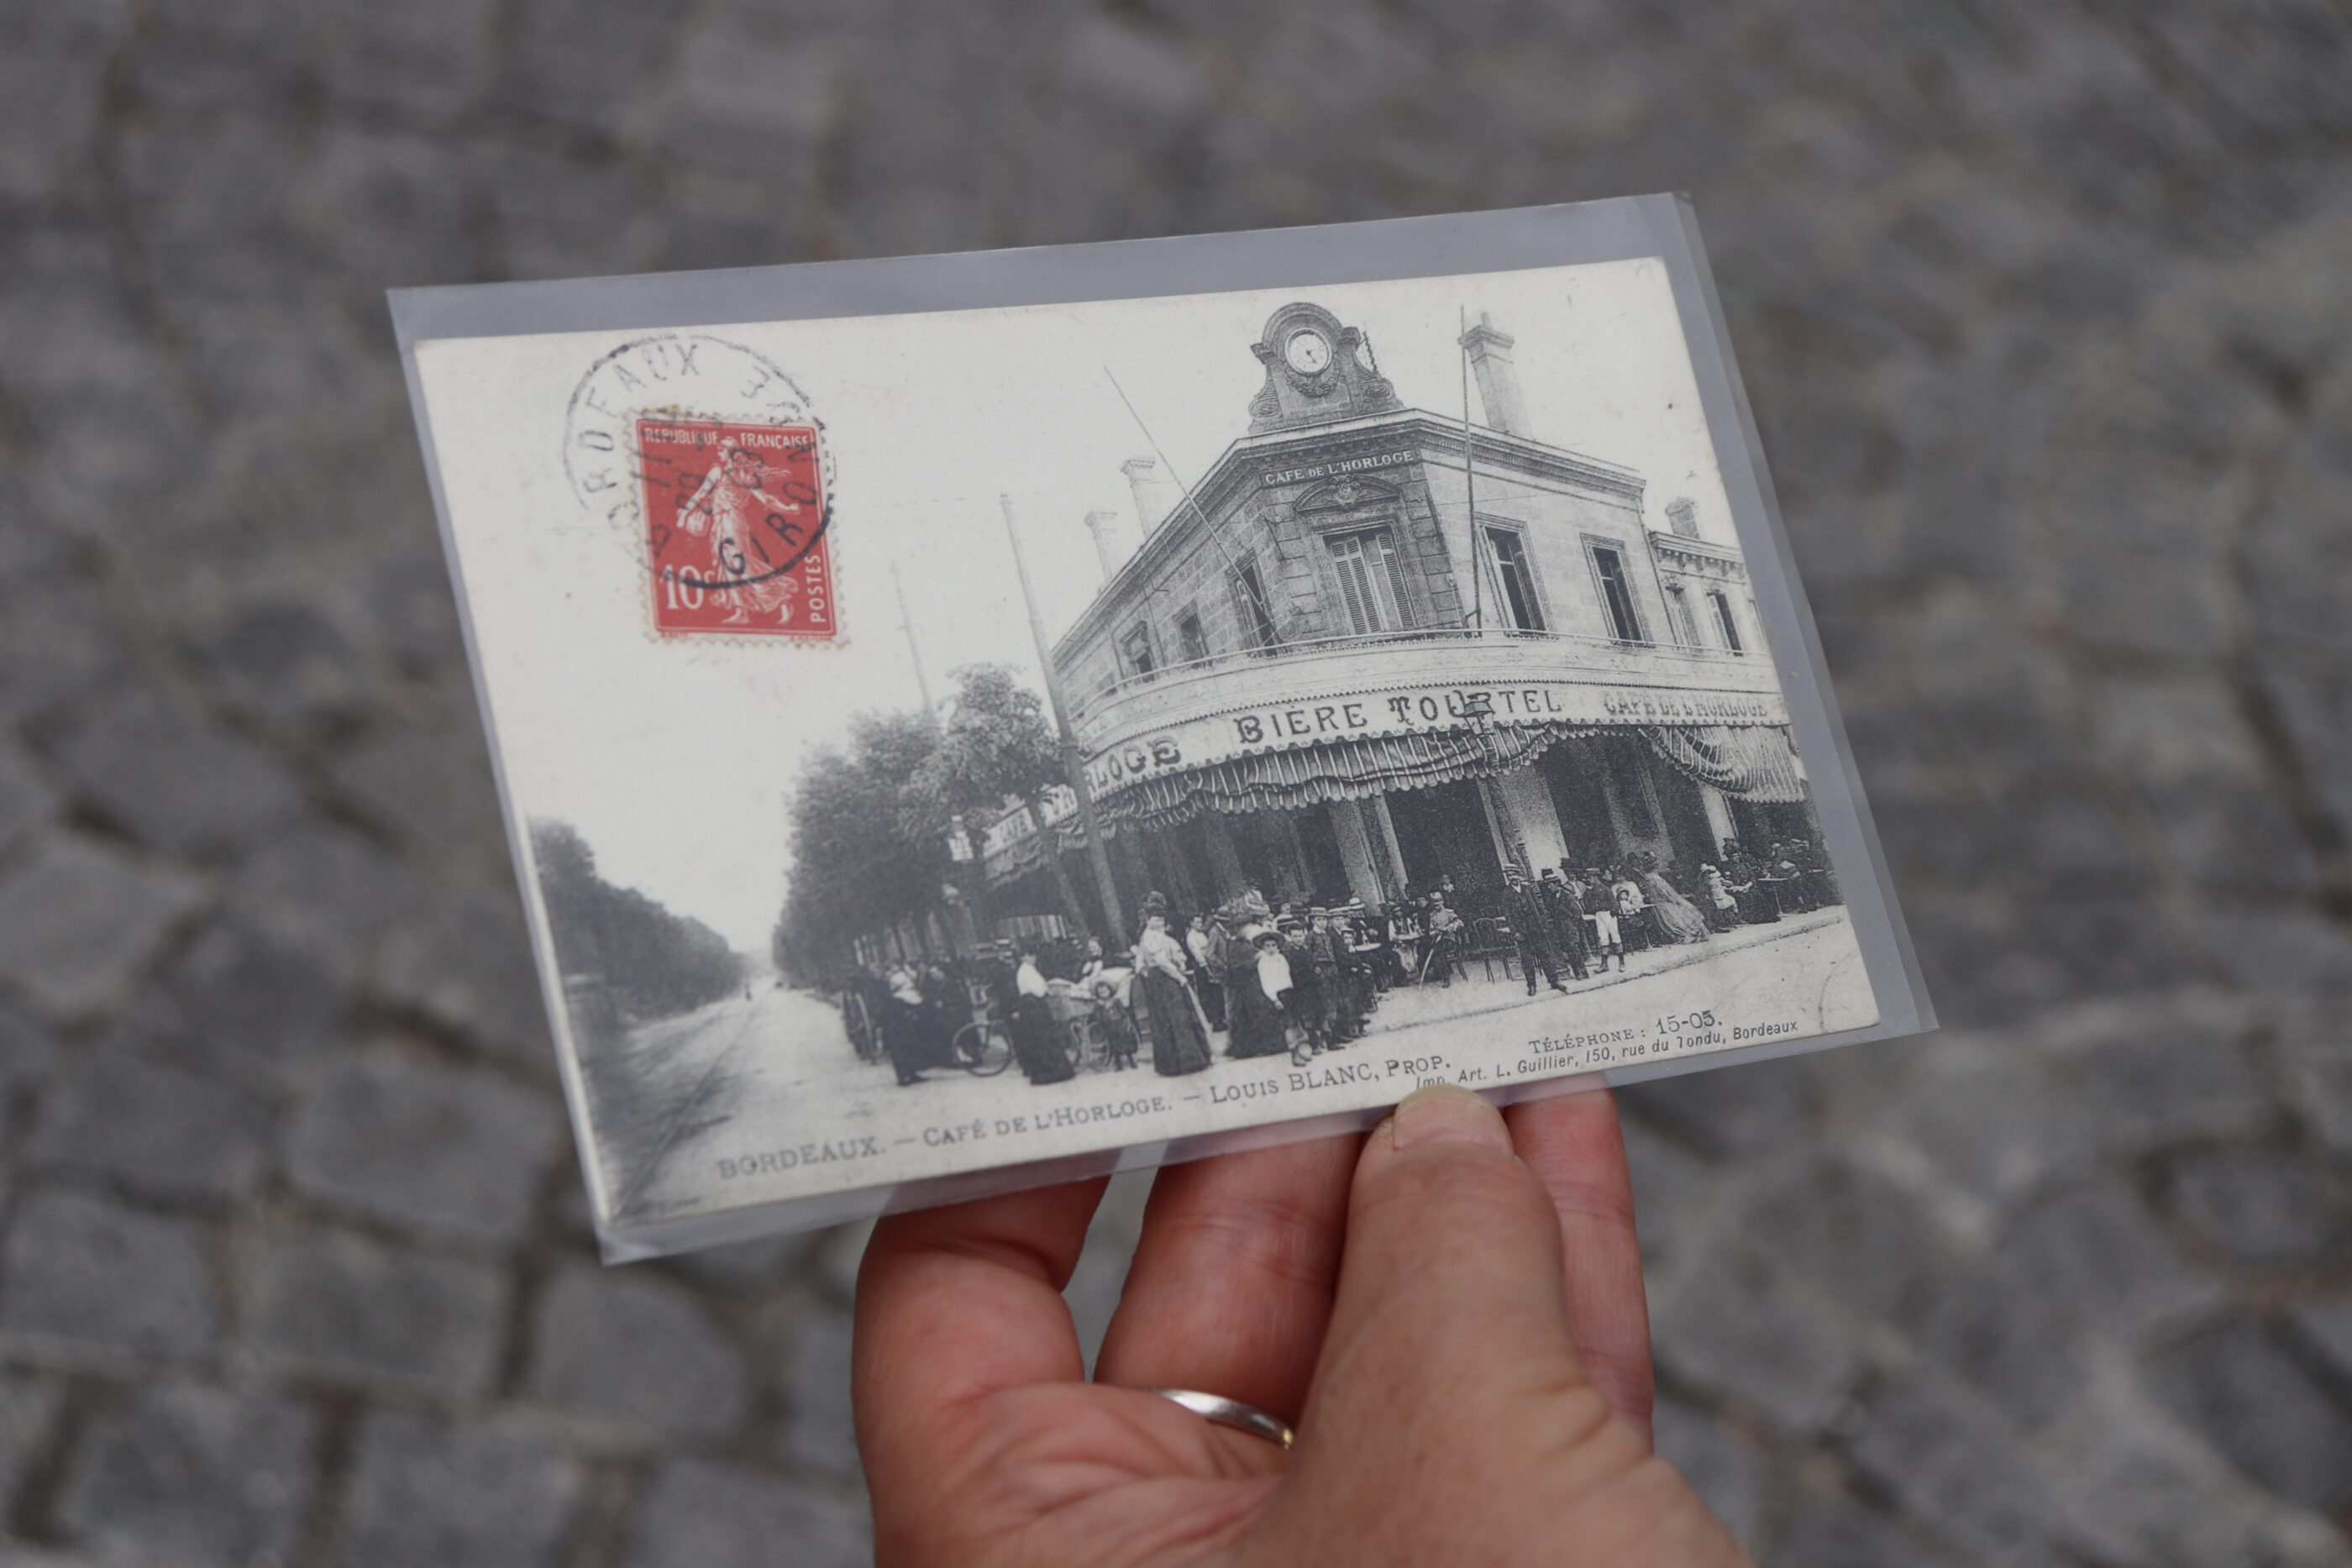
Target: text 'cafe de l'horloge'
(1297, 681)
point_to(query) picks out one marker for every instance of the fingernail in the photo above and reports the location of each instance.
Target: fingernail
(1442, 1114)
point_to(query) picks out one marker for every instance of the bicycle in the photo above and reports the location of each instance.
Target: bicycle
(980, 1048)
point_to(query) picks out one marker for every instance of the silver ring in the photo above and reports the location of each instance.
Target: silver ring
(1232, 1413)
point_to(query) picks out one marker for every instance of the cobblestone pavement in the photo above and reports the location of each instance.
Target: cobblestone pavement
(2045, 307)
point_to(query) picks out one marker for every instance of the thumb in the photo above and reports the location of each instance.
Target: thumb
(1450, 1419)
(1450, 1290)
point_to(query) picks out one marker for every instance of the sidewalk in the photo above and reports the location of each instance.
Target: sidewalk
(1409, 1007)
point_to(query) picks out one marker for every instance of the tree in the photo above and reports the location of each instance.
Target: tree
(651, 962)
(998, 745)
(869, 845)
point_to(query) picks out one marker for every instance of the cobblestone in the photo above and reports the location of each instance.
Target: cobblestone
(1724, 1469)
(2264, 1209)
(1958, 1467)
(26, 802)
(241, 1005)
(191, 1474)
(454, 1499)
(1735, 1325)
(27, 1049)
(702, 1515)
(454, 1151)
(2046, 317)
(156, 767)
(29, 1402)
(334, 1306)
(154, 1126)
(81, 1269)
(2238, 1384)
(819, 1435)
(634, 1348)
(78, 917)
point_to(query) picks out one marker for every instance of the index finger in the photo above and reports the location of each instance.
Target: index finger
(957, 1303)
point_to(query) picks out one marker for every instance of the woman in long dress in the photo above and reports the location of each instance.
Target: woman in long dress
(1722, 909)
(1037, 1044)
(1673, 917)
(1180, 1036)
(1259, 1025)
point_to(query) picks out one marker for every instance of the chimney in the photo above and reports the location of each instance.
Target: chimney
(1101, 525)
(1499, 379)
(1682, 517)
(1155, 494)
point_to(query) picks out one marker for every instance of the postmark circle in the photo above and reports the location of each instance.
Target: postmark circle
(667, 375)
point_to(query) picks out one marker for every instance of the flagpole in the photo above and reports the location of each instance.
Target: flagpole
(1470, 488)
(1074, 757)
(914, 654)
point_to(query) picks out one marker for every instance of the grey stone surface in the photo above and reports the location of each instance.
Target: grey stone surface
(29, 1404)
(1735, 1324)
(152, 1125)
(2047, 321)
(464, 966)
(701, 1515)
(242, 1005)
(1836, 1533)
(78, 917)
(27, 801)
(1719, 1465)
(323, 890)
(1957, 1467)
(2256, 1401)
(1850, 1229)
(195, 1475)
(157, 768)
(337, 1306)
(634, 1347)
(26, 1047)
(819, 1434)
(465, 1498)
(446, 1150)
(87, 1272)
(2264, 1208)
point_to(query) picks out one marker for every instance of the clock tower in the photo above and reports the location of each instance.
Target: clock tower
(1317, 371)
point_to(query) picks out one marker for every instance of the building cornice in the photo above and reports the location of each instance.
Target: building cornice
(1244, 464)
(1698, 555)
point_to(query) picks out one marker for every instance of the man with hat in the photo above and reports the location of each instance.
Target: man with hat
(1566, 913)
(1531, 926)
(1310, 1001)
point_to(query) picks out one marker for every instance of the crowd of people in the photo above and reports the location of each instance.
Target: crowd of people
(1299, 979)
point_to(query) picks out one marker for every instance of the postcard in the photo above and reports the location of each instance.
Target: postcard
(969, 720)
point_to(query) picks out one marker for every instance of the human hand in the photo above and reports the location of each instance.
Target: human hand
(1462, 1394)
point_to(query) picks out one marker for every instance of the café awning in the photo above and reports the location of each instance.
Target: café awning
(1334, 771)
(1749, 762)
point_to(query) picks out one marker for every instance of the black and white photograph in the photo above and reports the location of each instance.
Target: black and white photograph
(949, 740)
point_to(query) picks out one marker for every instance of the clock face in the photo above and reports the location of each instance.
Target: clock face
(1307, 351)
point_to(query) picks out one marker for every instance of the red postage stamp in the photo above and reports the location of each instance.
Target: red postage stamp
(735, 529)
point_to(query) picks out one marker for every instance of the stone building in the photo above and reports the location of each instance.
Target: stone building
(1298, 680)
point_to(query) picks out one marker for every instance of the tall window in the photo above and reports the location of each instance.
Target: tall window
(1616, 593)
(1368, 582)
(1191, 643)
(1730, 628)
(1514, 580)
(1136, 646)
(1252, 613)
(1678, 609)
